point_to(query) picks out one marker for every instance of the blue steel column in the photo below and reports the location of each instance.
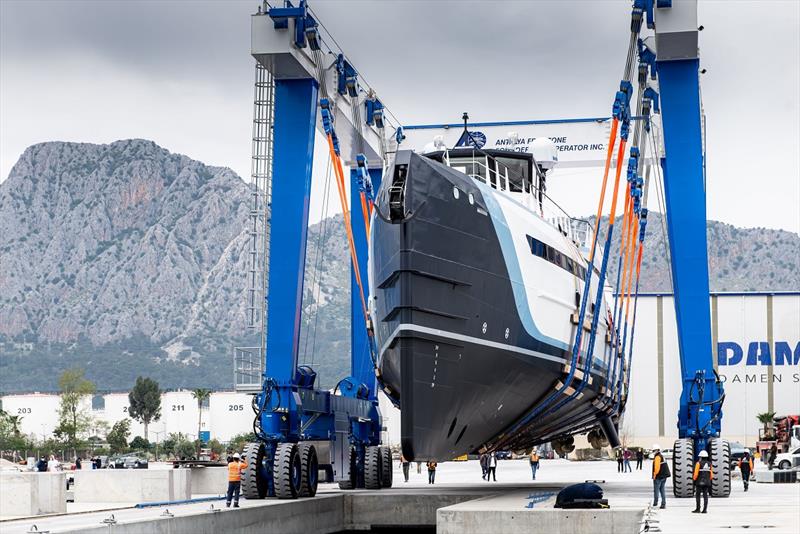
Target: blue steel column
(295, 121)
(360, 362)
(686, 217)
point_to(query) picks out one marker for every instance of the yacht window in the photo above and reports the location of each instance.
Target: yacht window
(474, 167)
(517, 170)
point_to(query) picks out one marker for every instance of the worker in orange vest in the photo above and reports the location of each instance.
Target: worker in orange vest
(702, 476)
(235, 468)
(746, 466)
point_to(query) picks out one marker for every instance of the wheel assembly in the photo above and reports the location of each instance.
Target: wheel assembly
(351, 482)
(720, 456)
(386, 476)
(309, 470)
(682, 467)
(373, 467)
(254, 480)
(286, 471)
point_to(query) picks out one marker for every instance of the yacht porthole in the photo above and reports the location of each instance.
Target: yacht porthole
(484, 328)
(455, 192)
(471, 198)
(506, 333)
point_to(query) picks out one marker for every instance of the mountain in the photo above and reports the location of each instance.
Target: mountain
(739, 259)
(126, 259)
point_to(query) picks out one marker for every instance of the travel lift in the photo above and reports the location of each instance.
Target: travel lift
(303, 430)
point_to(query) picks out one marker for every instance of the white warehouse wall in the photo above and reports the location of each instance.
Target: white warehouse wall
(741, 320)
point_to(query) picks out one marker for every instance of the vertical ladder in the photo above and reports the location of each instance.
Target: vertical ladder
(261, 203)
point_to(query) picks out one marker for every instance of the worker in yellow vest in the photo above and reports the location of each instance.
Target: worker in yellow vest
(235, 468)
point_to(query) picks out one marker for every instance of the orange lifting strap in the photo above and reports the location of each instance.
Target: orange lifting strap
(337, 166)
(612, 138)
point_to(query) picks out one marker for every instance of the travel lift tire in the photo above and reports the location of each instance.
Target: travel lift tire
(351, 482)
(720, 456)
(286, 471)
(309, 470)
(386, 477)
(373, 468)
(683, 468)
(254, 485)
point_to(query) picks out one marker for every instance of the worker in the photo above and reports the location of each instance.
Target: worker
(660, 475)
(746, 467)
(639, 458)
(78, 463)
(41, 465)
(702, 476)
(534, 460)
(491, 467)
(405, 465)
(431, 472)
(773, 454)
(235, 468)
(53, 464)
(483, 459)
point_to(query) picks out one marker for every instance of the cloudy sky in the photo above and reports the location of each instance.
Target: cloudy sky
(179, 73)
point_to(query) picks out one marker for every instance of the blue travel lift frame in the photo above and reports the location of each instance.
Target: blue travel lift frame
(291, 411)
(678, 69)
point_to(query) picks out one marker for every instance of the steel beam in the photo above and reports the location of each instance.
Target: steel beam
(361, 366)
(295, 120)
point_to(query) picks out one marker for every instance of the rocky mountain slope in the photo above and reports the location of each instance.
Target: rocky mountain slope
(127, 259)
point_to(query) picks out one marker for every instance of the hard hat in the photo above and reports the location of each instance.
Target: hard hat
(655, 447)
(703, 454)
(236, 456)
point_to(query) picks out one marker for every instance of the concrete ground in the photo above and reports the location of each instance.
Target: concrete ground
(772, 508)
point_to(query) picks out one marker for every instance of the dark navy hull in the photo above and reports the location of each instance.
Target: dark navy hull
(453, 352)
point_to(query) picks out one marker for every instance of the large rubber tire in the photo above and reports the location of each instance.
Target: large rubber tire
(387, 475)
(682, 468)
(309, 470)
(720, 456)
(286, 471)
(373, 468)
(254, 485)
(351, 482)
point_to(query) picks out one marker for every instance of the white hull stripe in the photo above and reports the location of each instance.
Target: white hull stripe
(467, 339)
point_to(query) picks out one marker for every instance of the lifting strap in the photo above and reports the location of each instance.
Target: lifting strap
(340, 184)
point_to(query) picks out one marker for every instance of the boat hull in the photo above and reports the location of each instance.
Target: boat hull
(456, 351)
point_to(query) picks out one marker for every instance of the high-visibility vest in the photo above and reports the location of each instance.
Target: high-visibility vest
(235, 471)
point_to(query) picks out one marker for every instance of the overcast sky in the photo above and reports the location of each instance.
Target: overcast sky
(180, 73)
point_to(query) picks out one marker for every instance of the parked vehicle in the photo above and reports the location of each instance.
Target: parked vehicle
(128, 461)
(786, 460)
(503, 455)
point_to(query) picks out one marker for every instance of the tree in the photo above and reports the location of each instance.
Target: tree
(201, 395)
(145, 402)
(237, 442)
(118, 437)
(140, 444)
(184, 449)
(73, 420)
(11, 438)
(14, 422)
(216, 447)
(765, 419)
